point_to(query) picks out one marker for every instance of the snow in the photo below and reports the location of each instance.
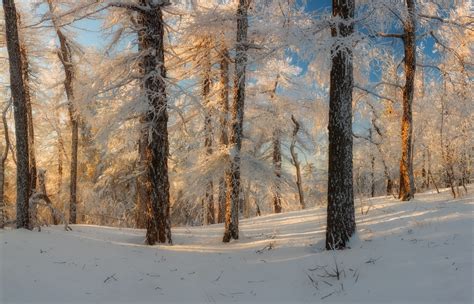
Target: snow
(404, 252)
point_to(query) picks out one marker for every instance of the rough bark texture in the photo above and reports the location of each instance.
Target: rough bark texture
(276, 157)
(407, 184)
(277, 170)
(65, 55)
(3, 161)
(20, 114)
(142, 193)
(233, 173)
(340, 211)
(25, 71)
(206, 87)
(157, 147)
(296, 162)
(372, 168)
(223, 121)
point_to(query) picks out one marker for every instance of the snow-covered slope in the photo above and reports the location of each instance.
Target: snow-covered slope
(416, 252)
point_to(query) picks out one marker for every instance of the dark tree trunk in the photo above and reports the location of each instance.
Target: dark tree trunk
(296, 162)
(372, 168)
(224, 113)
(157, 148)
(276, 157)
(142, 193)
(65, 55)
(233, 173)
(25, 71)
(20, 114)
(206, 87)
(277, 170)
(340, 212)
(407, 183)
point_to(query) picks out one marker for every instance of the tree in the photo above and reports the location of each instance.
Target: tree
(208, 201)
(237, 111)
(65, 55)
(156, 119)
(407, 182)
(223, 121)
(20, 113)
(340, 211)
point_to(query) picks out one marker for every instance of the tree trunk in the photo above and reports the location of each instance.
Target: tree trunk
(142, 193)
(372, 168)
(25, 71)
(206, 87)
(340, 211)
(20, 114)
(65, 56)
(60, 172)
(3, 161)
(224, 113)
(233, 173)
(157, 148)
(277, 170)
(296, 163)
(276, 157)
(407, 184)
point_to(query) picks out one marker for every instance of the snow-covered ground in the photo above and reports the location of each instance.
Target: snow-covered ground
(416, 252)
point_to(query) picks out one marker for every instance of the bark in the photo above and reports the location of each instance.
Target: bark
(277, 170)
(233, 173)
(65, 55)
(143, 197)
(340, 211)
(206, 87)
(3, 161)
(276, 158)
(156, 119)
(25, 70)
(20, 113)
(142, 193)
(407, 184)
(60, 171)
(296, 162)
(223, 121)
(372, 168)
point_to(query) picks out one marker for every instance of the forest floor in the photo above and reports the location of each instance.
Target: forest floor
(415, 252)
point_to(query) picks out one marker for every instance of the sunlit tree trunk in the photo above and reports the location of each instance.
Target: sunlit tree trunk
(20, 114)
(233, 173)
(407, 183)
(340, 211)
